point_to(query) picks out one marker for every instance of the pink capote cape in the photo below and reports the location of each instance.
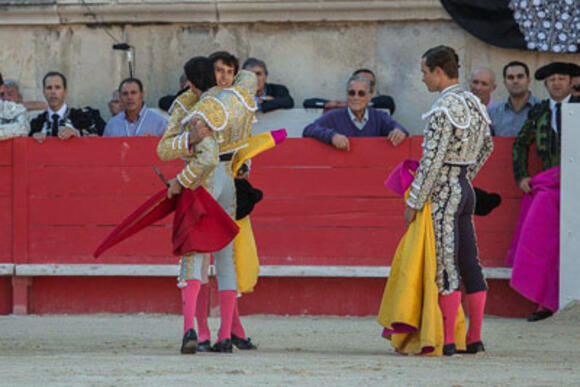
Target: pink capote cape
(535, 249)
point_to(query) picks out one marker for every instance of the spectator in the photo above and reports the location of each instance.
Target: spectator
(482, 84)
(12, 117)
(508, 116)
(166, 102)
(60, 120)
(543, 125)
(378, 101)
(225, 66)
(12, 91)
(115, 105)
(136, 119)
(355, 120)
(535, 253)
(269, 96)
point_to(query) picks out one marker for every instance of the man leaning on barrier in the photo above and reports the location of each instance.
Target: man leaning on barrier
(357, 119)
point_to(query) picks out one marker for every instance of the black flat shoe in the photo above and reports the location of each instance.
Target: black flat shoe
(540, 315)
(189, 343)
(473, 348)
(204, 346)
(243, 343)
(449, 349)
(224, 346)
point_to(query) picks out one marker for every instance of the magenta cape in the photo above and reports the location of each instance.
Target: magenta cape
(535, 248)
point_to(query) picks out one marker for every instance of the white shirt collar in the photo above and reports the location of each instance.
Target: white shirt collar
(61, 112)
(553, 110)
(354, 119)
(565, 100)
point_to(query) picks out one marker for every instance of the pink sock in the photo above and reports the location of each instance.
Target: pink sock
(475, 307)
(237, 327)
(189, 300)
(449, 304)
(201, 313)
(227, 307)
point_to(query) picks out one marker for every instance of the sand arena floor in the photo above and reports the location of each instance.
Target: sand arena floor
(138, 350)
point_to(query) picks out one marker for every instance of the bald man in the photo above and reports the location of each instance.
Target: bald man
(482, 84)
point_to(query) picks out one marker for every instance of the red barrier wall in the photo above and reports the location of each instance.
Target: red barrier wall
(58, 201)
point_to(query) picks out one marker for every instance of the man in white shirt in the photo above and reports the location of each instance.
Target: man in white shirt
(59, 120)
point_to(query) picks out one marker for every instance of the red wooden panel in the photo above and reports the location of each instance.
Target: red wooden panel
(327, 244)
(329, 182)
(5, 153)
(20, 200)
(356, 246)
(332, 212)
(5, 295)
(5, 243)
(85, 210)
(98, 152)
(317, 296)
(95, 181)
(358, 297)
(364, 152)
(76, 244)
(104, 295)
(5, 180)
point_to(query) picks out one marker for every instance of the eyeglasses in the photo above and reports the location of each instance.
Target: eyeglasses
(361, 93)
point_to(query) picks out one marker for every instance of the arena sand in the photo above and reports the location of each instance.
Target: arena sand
(143, 350)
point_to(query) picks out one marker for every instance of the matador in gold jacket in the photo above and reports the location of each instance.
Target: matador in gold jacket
(228, 113)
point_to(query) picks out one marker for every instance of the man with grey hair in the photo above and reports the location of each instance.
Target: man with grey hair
(269, 96)
(482, 84)
(357, 119)
(12, 93)
(13, 121)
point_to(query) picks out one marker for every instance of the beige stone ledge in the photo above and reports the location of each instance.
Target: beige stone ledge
(39, 12)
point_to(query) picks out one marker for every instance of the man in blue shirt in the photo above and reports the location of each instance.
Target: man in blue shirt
(355, 120)
(508, 116)
(137, 119)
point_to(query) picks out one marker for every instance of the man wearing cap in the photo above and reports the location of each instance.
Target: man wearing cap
(544, 127)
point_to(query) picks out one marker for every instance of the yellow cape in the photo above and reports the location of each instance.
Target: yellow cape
(411, 295)
(245, 251)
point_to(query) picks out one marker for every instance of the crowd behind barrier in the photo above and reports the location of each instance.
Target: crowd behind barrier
(522, 115)
(316, 231)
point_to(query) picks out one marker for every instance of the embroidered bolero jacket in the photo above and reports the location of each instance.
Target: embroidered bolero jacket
(457, 133)
(229, 113)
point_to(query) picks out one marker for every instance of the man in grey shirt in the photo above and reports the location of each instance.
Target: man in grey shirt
(508, 116)
(137, 119)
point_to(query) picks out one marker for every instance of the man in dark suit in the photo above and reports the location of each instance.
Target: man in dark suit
(60, 120)
(269, 96)
(544, 127)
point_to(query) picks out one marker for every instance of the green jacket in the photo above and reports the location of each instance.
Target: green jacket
(537, 128)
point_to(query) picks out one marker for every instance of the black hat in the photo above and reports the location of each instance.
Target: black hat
(544, 72)
(246, 198)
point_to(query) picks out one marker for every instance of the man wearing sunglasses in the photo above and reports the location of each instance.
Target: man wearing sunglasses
(357, 119)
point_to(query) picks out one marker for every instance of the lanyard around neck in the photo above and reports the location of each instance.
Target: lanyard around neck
(141, 120)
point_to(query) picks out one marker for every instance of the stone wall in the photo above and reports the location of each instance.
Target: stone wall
(310, 46)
